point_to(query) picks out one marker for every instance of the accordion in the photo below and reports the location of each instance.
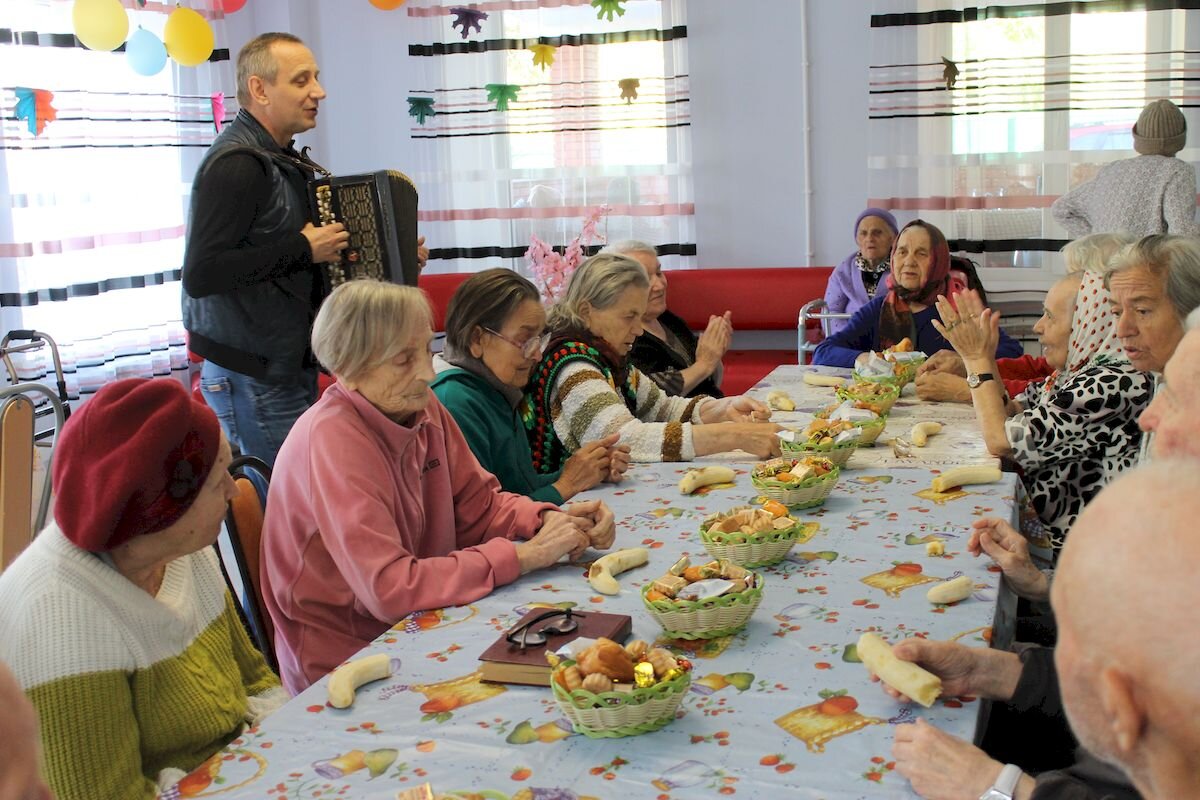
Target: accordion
(379, 210)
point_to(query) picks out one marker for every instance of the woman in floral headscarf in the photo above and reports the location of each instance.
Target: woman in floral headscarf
(1074, 433)
(920, 273)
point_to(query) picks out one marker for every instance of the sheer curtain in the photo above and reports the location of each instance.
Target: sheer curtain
(1044, 94)
(92, 209)
(568, 141)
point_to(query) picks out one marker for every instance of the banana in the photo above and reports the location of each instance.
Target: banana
(817, 379)
(705, 476)
(921, 432)
(780, 401)
(964, 476)
(952, 591)
(348, 677)
(903, 676)
(601, 573)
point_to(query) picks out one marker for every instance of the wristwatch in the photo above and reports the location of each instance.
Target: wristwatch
(1006, 782)
(974, 380)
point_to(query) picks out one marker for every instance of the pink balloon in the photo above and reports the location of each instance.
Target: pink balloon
(230, 6)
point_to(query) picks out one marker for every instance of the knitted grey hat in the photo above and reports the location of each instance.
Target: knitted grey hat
(1161, 129)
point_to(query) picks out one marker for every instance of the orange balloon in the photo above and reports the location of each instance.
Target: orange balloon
(387, 5)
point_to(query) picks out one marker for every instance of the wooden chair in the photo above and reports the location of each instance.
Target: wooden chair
(244, 521)
(19, 522)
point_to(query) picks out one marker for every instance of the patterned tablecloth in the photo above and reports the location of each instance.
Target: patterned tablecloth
(960, 441)
(780, 709)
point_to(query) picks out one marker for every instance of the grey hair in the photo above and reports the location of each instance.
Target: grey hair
(365, 323)
(627, 247)
(1093, 252)
(1171, 258)
(256, 58)
(599, 281)
(485, 300)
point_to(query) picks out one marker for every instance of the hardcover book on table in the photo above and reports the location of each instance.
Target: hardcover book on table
(506, 662)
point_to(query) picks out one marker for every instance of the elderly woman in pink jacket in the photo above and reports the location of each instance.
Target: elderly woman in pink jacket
(377, 506)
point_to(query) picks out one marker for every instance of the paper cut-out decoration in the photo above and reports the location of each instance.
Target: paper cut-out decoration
(949, 72)
(100, 24)
(608, 8)
(230, 6)
(629, 87)
(188, 37)
(501, 94)
(468, 18)
(218, 110)
(387, 5)
(145, 52)
(543, 55)
(421, 108)
(33, 106)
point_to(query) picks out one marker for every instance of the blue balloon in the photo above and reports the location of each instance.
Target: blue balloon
(146, 52)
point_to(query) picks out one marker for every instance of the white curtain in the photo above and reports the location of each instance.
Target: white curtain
(1045, 94)
(568, 141)
(93, 208)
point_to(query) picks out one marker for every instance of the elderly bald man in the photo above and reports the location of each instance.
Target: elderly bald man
(20, 756)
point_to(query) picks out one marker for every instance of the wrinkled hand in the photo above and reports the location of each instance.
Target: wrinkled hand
(618, 463)
(942, 386)
(597, 519)
(1010, 550)
(757, 438)
(944, 361)
(422, 253)
(714, 342)
(940, 766)
(587, 466)
(972, 330)
(560, 535)
(326, 241)
(958, 666)
(735, 409)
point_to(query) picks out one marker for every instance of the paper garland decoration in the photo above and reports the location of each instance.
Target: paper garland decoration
(468, 18)
(100, 24)
(422, 108)
(218, 110)
(33, 106)
(608, 8)
(543, 55)
(501, 94)
(629, 87)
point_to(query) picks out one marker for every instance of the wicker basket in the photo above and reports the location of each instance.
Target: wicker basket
(871, 430)
(751, 550)
(839, 454)
(882, 402)
(609, 715)
(805, 494)
(705, 619)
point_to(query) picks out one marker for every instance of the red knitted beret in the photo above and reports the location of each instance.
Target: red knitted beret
(131, 461)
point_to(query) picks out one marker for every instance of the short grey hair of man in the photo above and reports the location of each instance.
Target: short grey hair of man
(629, 247)
(599, 281)
(1092, 253)
(256, 58)
(365, 323)
(1175, 257)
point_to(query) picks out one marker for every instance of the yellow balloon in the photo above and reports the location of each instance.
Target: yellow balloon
(188, 37)
(100, 24)
(387, 5)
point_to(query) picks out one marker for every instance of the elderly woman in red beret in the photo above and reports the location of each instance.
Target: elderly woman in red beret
(117, 623)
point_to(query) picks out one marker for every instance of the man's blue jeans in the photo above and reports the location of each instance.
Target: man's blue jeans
(256, 415)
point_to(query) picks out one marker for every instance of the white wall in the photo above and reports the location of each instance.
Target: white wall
(746, 98)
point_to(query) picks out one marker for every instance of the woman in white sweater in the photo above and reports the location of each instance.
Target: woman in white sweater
(584, 387)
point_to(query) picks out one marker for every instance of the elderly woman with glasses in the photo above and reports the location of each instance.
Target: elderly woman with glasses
(378, 507)
(585, 387)
(494, 327)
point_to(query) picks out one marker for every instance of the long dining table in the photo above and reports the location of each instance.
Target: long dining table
(781, 708)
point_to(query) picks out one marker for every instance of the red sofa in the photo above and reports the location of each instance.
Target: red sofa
(761, 299)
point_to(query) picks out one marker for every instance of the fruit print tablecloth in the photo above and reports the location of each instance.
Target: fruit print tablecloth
(781, 709)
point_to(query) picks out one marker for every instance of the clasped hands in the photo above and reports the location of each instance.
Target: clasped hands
(568, 531)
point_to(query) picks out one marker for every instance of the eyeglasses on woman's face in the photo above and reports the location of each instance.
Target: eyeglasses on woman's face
(530, 348)
(557, 622)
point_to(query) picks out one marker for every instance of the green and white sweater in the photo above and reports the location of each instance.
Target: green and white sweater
(132, 691)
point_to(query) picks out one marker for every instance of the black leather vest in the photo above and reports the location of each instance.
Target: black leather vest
(260, 330)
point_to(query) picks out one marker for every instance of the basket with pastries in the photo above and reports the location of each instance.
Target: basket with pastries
(749, 536)
(703, 601)
(796, 482)
(834, 439)
(870, 424)
(877, 397)
(609, 690)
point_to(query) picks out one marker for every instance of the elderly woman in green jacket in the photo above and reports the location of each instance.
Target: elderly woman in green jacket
(494, 331)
